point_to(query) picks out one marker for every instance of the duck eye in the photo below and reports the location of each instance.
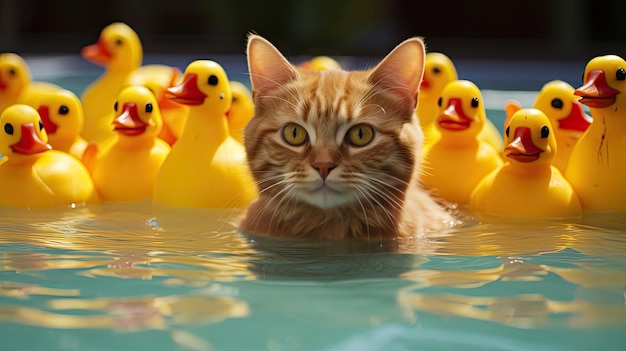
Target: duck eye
(40, 125)
(439, 102)
(545, 131)
(8, 128)
(115, 106)
(213, 80)
(295, 134)
(148, 107)
(557, 103)
(474, 101)
(235, 99)
(118, 42)
(620, 74)
(360, 135)
(507, 131)
(12, 72)
(436, 70)
(63, 110)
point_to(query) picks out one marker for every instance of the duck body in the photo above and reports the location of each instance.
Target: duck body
(34, 175)
(527, 185)
(459, 159)
(125, 167)
(119, 51)
(206, 167)
(597, 164)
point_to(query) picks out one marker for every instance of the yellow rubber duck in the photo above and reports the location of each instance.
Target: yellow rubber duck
(32, 174)
(597, 164)
(568, 118)
(321, 63)
(158, 78)
(241, 110)
(62, 116)
(527, 185)
(16, 82)
(439, 70)
(125, 168)
(119, 50)
(206, 167)
(459, 159)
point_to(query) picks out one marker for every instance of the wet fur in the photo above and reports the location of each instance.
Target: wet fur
(381, 179)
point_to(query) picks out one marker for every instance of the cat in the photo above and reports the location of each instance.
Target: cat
(336, 154)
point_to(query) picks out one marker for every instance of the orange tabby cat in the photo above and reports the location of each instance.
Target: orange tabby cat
(336, 154)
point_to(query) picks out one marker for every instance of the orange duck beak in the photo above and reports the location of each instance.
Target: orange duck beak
(187, 92)
(30, 143)
(96, 53)
(453, 118)
(522, 149)
(128, 122)
(44, 113)
(596, 92)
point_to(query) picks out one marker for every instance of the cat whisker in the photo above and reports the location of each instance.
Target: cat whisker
(371, 199)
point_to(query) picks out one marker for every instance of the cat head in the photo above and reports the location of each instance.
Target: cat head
(334, 138)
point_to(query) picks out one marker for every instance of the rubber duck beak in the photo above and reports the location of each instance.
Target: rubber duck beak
(425, 84)
(128, 122)
(522, 149)
(30, 143)
(596, 92)
(3, 85)
(164, 101)
(577, 120)
(453, 117)
(97, 52)
(44, 113)
(187, 92)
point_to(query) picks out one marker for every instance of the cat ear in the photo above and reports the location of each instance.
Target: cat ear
(268, 68)
(402, 69)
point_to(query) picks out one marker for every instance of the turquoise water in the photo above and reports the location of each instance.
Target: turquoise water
(136, 276)
(144, 277)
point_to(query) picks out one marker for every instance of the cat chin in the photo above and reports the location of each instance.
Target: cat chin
(326, 198)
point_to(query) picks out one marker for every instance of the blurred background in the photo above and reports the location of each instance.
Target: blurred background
(541, 29)
(497, 44)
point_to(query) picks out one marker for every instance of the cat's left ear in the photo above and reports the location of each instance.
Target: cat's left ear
(402, 69)
(268, 68)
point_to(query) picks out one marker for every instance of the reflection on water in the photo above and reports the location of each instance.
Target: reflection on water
(142, 267)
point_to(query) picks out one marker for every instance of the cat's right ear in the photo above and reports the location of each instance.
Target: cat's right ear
(268, 68)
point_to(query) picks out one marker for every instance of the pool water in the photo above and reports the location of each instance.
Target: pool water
(138, 276)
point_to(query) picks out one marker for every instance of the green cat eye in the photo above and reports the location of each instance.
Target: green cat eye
(295, 134)
(360, 135)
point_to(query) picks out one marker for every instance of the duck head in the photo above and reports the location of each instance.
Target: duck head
(118, 48)
(461, 108)
(22, 131)
(137, 112)
(604, 79)
(557, 100)
(439, 70)
(14, 75)
(529, 138)
(61, 112)
(205, 84)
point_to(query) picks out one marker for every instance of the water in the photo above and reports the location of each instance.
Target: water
(143, 277)
(139, 276)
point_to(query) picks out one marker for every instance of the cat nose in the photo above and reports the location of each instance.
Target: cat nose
(323, 168)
